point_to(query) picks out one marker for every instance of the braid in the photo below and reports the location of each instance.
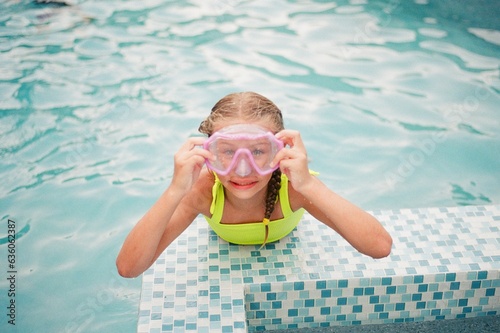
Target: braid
(272, 194)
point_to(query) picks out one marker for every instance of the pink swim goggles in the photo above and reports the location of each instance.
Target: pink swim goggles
(242, 148)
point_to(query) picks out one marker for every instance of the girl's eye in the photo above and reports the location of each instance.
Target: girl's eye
(258, 152)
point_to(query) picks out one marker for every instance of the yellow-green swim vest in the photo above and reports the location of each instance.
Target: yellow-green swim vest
(253, 233)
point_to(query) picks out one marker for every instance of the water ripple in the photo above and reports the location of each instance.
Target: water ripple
(20, 233)
(95, 47)
(465, 197)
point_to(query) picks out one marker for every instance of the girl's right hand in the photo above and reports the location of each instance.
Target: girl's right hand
(188, 162)
(293, 160)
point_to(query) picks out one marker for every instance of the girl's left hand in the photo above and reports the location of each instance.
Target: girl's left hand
(293, 160)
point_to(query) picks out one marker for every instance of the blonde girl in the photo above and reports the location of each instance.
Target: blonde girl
(251, 181)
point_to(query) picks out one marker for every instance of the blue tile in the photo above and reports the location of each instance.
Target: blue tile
(320, 284)
(260, 314)
(400, 306)
(358, 291)
(178, 323)
(298, 285)
(369, 291)
(422, 288)
(309, 303)
(167, 327)
(438, 295)
(325, 310)
(420, 305)
(342, 301)
(343, 283)
(390, 290)
(386, 281)
(357, 308)
(227, 329)
(265, 287)
(277, 305)
(215, 318)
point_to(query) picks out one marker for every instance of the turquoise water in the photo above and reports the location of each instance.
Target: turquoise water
(397, 102)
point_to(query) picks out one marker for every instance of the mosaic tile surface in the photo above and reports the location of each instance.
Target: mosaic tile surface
(445, 264)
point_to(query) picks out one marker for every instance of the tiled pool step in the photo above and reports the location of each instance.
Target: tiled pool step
(445, 264)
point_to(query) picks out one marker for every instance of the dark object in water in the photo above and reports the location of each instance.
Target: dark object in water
(51, 3)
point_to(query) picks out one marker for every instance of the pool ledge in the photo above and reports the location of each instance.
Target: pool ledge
(445, 264)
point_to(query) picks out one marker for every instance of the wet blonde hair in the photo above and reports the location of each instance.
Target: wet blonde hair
(244, 106)
(250, 106)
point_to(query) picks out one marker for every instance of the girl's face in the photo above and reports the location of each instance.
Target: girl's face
(249, 184)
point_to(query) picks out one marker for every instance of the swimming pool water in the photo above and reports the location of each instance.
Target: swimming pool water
(397, 103)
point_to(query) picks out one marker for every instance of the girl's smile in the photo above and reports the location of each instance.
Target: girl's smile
(243, 184)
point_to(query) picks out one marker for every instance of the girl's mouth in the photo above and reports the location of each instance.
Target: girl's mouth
(243, 184)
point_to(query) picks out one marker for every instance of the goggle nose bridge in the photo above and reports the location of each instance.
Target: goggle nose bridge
(248, 159)
(242, 167)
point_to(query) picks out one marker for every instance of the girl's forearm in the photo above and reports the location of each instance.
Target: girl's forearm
(359, 228)
(141, 245)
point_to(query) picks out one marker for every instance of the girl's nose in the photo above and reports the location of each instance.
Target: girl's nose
(243, 168)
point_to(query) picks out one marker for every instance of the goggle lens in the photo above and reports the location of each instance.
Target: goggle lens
(241, 147)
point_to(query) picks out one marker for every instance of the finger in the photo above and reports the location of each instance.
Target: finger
(287, 154)
(291, 138)
(199, 152)
(193, 142)
(195, 145)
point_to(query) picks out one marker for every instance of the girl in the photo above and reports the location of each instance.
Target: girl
(253, 190)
